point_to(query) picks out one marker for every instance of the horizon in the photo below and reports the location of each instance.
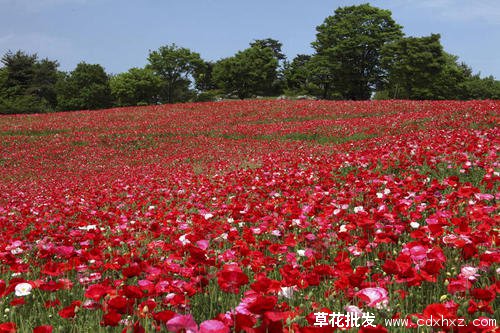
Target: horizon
(60, 29)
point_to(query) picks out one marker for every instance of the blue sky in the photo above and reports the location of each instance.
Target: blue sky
(119, 34)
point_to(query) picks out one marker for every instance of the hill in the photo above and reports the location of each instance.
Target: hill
(264, 215)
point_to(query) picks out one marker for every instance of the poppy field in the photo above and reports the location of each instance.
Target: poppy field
(252, 216)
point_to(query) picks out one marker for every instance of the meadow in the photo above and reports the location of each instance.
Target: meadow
(252, 216)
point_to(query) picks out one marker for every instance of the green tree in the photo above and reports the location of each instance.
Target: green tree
(413, 64)
(203, 76)
(175, 66)
(457, 81)
(349, 45)
(137, 86)
(275, 46)
(20, 68)
(252, 71)
(44, 81)
(3, 76)
(482, 88)
(86, 87)
(27, 84)
(450, 82)
(297, 75)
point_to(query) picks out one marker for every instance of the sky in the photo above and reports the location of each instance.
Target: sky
(118, 34)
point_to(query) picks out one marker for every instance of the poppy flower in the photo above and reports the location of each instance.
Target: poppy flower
(231, 278)
(2, 287)
(182, 323)
(70, 311)
(213, 326)
(43, 329)
(374, 297)
(8, 327)
(23, 289)
(262, 304)
(163, 316)
(111, 318)
(97, 291)
(146, 216)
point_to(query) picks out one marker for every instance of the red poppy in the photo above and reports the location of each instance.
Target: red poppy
(111, 318)
(163, 316)
(70, 311)
(231, 278)
(8, 328)
(97, 291)
(262, 304)
(43, 329)
(2, 287)
(213, 326)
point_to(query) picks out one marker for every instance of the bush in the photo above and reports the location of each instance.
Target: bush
(23, 104)
(208, 96)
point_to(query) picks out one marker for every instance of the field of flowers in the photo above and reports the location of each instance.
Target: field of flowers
(252, 216)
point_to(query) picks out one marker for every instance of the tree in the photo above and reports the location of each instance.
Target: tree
(252, 71)
(175, 66)
(297, 75)
(135, 87)
(3, 76)
(273, 44)
(203, 77)
(413, 63)
(310, 75)
(86, 87)
(457, 81)
(20, 69)
(45, 80)
(482, 88)
(27, 84)
(349, 45)
(450, 82)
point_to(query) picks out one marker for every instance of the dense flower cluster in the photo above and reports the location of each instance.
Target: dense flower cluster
(250, 216)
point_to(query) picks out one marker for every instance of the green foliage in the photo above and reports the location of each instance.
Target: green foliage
(276, 87)
(273, 44)
(348, 46)
(27, 85)
(203, 77)
(20, 103)
(413, 63)
(20, 68)
(418, 68)
(138, 86)
(297, 75)
(482, 88)
(3, 76)
(86, 87)
(252, 71)
(44, 81)
(450, 82)
(359, 50)
(208, 96)
(310, 75)
(176, 67)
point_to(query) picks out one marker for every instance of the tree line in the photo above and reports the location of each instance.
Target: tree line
(360, 52)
